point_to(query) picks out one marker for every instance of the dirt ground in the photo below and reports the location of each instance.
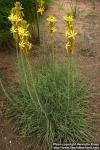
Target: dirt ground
(86, 58)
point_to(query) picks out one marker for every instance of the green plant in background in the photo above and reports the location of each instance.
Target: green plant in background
(4, 24)
(47, 3)
(30, 11)
(85, 49)
(86, 39)
(92, 14)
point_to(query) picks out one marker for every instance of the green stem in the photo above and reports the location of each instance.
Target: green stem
(37, 21)
(30, 71)
(17, 49)
(69, 70)
(75, 11)
(53, 55)
(68, 87)
(6, 94)
(71, 5)
(26, 80)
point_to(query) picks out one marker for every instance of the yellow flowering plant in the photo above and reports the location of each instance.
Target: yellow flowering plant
(70, 33)
(52, 29)
(51, 102)
(19, 28)
(40, 9)
(51, 22)
(68, 18)
(16, 17)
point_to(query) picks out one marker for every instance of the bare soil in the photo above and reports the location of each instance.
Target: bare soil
(86, 58)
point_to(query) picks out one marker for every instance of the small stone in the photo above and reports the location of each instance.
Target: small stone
(5, 138)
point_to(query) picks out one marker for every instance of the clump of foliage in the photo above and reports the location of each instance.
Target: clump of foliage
(93, 2)
(51, 103)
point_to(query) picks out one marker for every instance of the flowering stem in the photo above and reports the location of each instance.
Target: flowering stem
(25, 75)
(17, 53)
(17, 50)
(73, 7)
(53, 56)
(69, 66)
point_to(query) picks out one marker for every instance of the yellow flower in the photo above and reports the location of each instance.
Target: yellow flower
(22, 44)
(51, 19)
(40, 6)
(14, 18)
(71, 34)
(29, 46)
(68, 18)
(67, 45)
(53, 29)
(23, 32)
(25, 46)
(24, 24)
(40, 10)
(13, 29)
